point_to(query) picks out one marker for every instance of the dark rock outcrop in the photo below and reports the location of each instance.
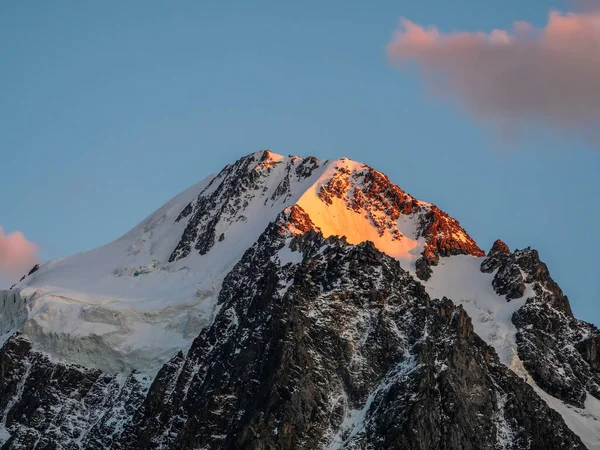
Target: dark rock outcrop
(49, 405)
(34, 269)
(560, 352)
(227, 196)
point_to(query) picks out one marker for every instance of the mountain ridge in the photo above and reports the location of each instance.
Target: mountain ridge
(296, 303)
(186, 240)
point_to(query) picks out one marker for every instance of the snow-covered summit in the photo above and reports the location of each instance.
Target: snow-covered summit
(277, 303)
(137, 301)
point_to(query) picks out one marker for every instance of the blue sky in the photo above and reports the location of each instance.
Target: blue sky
(109, 109)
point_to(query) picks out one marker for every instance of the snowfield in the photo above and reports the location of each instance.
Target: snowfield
(460, 279)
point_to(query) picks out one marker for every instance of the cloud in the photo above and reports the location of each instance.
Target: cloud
(585, 5)
(17, 256)
(526, 76)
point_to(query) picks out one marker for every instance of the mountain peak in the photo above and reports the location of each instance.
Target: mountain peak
(171, 265)
(342, 197)
(499, 248)
(291, 302)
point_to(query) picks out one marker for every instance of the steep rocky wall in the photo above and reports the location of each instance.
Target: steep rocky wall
(13, 312)
(341, 349)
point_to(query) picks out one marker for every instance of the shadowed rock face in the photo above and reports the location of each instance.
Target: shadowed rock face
(560, 352)
(45, 404)
(295, 349)
(228, 195)
(342, 348)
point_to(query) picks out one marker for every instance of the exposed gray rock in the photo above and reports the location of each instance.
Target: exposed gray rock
(560, 352)
(48, 405)
(297, 349)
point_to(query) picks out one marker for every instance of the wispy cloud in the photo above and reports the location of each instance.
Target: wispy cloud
(17, 256)
(527, 76)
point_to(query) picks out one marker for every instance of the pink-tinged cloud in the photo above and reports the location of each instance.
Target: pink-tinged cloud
(17, 256)
(527, 76)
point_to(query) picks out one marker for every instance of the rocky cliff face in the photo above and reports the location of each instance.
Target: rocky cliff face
(49, 405)
(560, 352)
(342, 349)
(320, 341)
